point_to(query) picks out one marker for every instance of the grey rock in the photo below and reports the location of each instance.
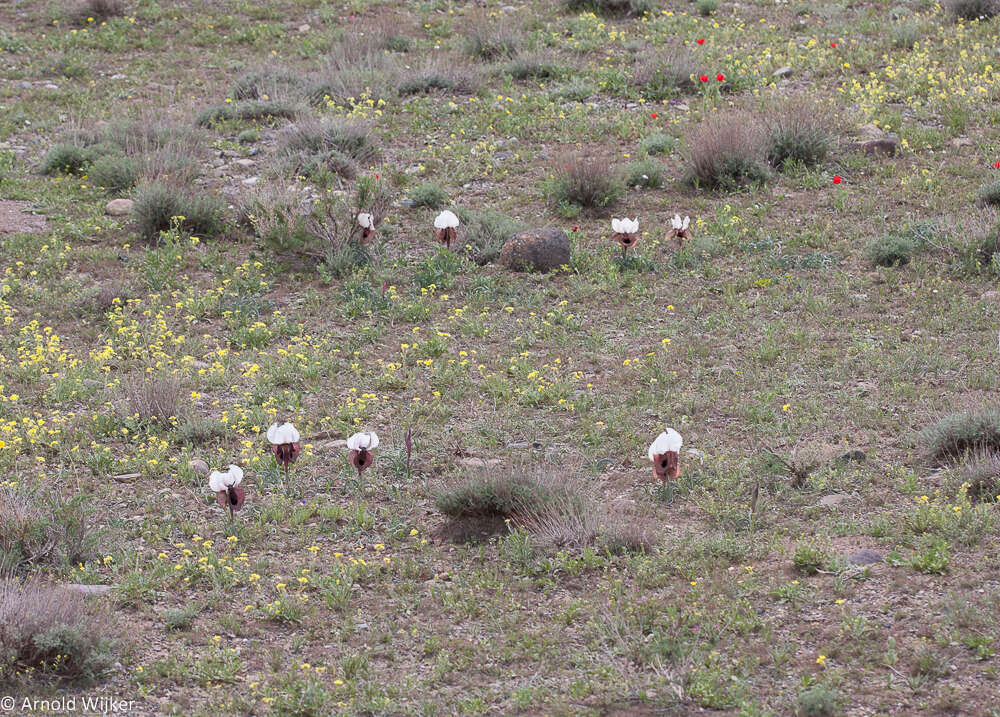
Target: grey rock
(872, 131)
(542, 249)
(250, 181)
(245, 163)
(199, 466)
(304, 27)
(407, 202)
(785, 71)
(832, 501)
(695, 453)
(119, 207)
(864, 557)
(887, 146)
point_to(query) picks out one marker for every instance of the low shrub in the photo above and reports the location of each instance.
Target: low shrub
(665, 74)
(989, 194)
(611, 8)
(890, 250)
(115, 173)
(726, 151)
(428, 194)
(50, 630)
(153, 398)
(982, 476)
(657, 143)
(818, 701)
(247, 110)
(797, 130)
(536, 66)
(41, 528)
(646, 173)
(496, 493)
(332, 145)
(960, 433)
(490, 41)
(485, 232)
(439, 75)
(157, 201)
(586, 182)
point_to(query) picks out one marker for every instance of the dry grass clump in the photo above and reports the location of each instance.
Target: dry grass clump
(726, 151)
(664, 73)
(248, 110)
(611, 8)
(534, 66)
(158, 200)
(153, 398)
(797, 130)
(359, 63)
(960, 433)
(490, 41)
(313, 147)
(440, 75)
(576, 520)
(982, 476)
(586, 182)
(51, 630)
(496, 492)
(266, 83)
(37, 528)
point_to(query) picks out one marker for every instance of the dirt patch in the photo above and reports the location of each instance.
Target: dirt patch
(16, 218)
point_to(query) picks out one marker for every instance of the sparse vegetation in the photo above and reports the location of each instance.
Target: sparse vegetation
(973, 9)
(157, 202)
(797, 130)
(50, 630)
(726, 152)
(960, 433)
(587, 183)
(281, 262)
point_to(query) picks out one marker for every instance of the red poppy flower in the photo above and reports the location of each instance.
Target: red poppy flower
(996, 165)
(700, 40)
(575, 228)
(837, 179)
(720, 77)
(653, 115)
(833, 44)
(703, 78)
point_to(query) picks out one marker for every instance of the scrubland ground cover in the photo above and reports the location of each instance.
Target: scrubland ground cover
(826, 343)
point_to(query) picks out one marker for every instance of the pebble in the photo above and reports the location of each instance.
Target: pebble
(864, 557)
(119, 207)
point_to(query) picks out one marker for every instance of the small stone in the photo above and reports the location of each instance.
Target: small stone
(864, 557)
(785, 71)
(695, 453)
(832, 501)
(407, 202)
(962, 142)
(333, 445)
(50, 86)
(118, 76)
(119, 207)
(542, 249)
(250, 181)
(198, 466)
(89, 589)
(245, 163)
(304, 27)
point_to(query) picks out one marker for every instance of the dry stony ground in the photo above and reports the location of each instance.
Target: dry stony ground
(773, 330)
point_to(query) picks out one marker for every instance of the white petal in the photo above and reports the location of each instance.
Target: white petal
(633, 226)
(235, 474)
(281, 433)
(616, 226)
(687, 220)
(445, 220)
(217, 481)
(373, 440)
(366, 220)
(669, 440)
(675, 221)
